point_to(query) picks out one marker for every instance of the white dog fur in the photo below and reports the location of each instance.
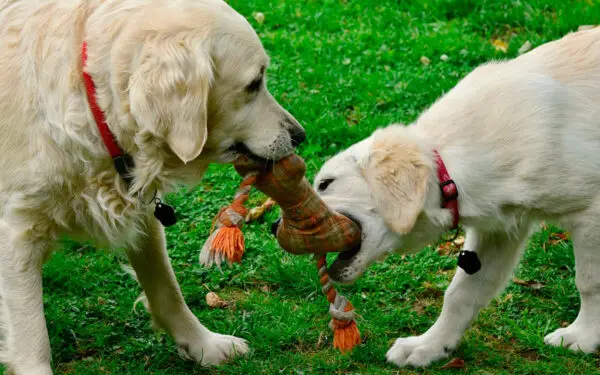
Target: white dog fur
(521, 139)
(181, 83)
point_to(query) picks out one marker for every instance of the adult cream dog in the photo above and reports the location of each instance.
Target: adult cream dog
(180, 84)
(519, 141)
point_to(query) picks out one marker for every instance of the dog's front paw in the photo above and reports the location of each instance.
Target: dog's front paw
(575, 337)
(418, 351)
(214, 349)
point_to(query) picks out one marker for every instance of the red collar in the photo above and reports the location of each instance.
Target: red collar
(449, 189)
(122, 161)
(107, 136)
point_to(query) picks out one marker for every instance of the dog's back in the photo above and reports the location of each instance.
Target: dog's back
(530, 124)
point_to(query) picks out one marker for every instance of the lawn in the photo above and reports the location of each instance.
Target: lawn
(343, 68)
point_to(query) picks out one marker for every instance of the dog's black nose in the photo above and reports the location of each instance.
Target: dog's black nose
(298, 135)
(275, 226)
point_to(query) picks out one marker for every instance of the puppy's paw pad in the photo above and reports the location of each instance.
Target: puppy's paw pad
(417, 351)
(214, 349)
(574, 338)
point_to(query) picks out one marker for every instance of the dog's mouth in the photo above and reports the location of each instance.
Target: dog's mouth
(345, 258)
(240, 149)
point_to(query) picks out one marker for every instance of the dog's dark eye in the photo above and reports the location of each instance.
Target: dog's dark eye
(254, 86)
(324, 184)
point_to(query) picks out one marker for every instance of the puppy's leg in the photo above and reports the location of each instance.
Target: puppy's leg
(26, 347)
(466, 295)
(167, 306)
(584, 333)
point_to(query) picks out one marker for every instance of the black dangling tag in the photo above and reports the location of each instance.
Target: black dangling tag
(165, 213)
(469, 261)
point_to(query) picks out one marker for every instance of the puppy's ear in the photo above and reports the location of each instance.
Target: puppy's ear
(397, 174)
(168, 93)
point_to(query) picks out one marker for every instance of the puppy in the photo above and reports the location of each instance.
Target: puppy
(180, 83)
(519, 140)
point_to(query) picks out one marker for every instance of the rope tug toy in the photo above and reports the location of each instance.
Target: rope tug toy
(308, 226)
(226, 242)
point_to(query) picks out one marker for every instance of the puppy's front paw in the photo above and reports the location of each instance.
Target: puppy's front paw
(418, 351)
(214, 349)
(575, 337)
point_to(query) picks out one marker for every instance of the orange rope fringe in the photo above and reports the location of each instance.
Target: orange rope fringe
(230, 241)
(345, 332)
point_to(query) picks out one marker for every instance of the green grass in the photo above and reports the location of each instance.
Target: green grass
(343, 68)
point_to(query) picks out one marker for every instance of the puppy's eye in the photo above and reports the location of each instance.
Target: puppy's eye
(324, 184)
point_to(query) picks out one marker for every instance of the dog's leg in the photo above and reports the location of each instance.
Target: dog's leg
(584, 333)
(26, 347)
(466, 295)
(167, 306)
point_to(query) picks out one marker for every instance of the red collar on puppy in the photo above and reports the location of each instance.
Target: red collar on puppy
(449, 189)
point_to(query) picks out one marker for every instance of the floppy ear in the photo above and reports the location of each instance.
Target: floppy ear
(168, 93)
(397, 175)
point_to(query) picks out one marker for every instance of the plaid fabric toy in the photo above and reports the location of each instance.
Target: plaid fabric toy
(307, 225)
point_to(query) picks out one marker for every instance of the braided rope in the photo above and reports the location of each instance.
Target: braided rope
(226, 241)
(343, 324)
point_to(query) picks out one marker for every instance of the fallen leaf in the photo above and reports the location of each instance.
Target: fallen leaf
(459, 241)
(444, 57)
(425, 60)
(500, 45)
(454, 363)
(564, 324)
(525, 47)
(257, 212)
(451, 247)
(529, 284)
(353, 117)
(213, 300)
(259, 17)
(446, 248)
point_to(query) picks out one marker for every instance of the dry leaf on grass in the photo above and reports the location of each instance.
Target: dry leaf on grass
(529, 284)
(454, 363)
(446, 248)
(259, 211)
(500, 45)
(425, 60)
(259, 17)
(525, 47)
(459, 241)
(451, 247)
(213, 300)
